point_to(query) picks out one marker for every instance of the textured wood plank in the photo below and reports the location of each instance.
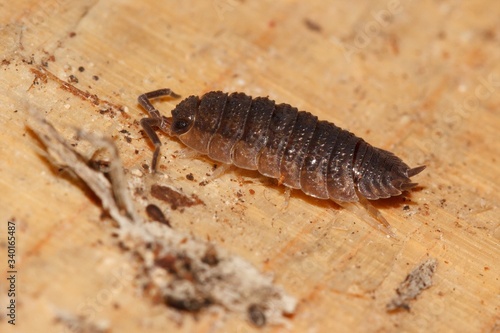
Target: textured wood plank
(419, 78)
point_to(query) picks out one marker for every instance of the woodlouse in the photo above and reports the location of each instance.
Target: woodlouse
(302, 152)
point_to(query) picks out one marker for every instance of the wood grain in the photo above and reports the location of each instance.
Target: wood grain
(421, 79)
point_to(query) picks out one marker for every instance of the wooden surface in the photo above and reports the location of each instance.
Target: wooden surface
(421, 79)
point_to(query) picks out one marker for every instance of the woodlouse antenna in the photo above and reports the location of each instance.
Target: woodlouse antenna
(155, 119)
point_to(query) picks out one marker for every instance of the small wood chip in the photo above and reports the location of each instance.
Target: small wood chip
(418, 280)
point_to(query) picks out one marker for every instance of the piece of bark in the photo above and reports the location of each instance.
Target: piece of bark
(418, 280)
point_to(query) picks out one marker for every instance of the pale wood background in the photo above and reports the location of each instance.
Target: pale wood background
(420, 78)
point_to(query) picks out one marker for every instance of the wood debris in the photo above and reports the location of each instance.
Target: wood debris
(418, 280)
(174, 268)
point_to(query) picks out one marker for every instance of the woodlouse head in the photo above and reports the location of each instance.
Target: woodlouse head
(183, 116)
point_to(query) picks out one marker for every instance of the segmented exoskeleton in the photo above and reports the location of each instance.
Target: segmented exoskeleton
(302, 152)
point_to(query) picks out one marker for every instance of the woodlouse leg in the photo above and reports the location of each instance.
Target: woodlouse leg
(221, 169)
(155, 120)
(187, 153)
(366, 211)
(288, 193)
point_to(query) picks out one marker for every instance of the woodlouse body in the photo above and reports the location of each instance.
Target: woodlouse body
(321, 159)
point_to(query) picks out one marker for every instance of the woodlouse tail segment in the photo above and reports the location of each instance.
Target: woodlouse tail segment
(404, 183)
(415, 171)
(381, 174)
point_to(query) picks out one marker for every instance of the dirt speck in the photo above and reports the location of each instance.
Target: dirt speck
(210, 258)
(256, 315)
(155, 213)
(174, 198)
(312, 25)
(72, 79)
